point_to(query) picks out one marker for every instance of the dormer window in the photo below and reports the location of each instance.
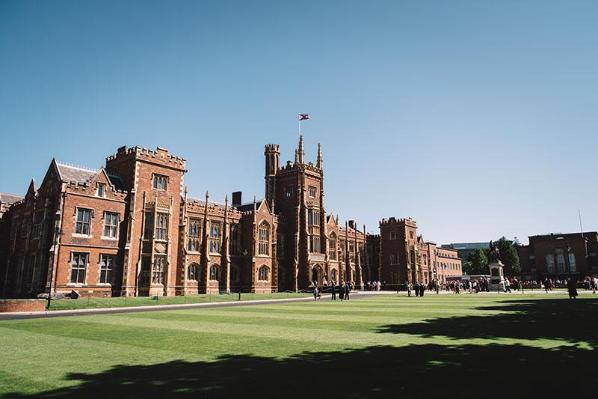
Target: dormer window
(100, 190)
(160, 182)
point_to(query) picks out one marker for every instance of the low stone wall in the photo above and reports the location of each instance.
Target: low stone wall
(22, 305)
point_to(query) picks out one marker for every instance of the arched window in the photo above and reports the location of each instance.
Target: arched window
(193, 272)
(263, 273)
(215, 273)
(264, 239)
(332, 247)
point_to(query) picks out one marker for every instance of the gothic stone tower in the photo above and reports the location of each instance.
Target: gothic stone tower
(398, 251)
(295, 192)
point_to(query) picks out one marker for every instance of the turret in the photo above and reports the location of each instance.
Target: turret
(320, 160)
(300, 151)
(272, 158)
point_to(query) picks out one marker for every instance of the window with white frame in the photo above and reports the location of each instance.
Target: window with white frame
(106, 266)
(161, 226)
(160, 182)
(158, 269)
(100, 189)
(263, 273)
(215, 235)
(332, 247)
(193, 235)
(193, 272)
(264, 239)
(110, 225)
(79, 262)
(215, 273)
(83, 221)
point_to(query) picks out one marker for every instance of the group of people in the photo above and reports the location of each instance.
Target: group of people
(343, 290)
(373, 285)
(418, 289)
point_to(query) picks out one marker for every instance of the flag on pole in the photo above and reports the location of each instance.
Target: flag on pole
(303, 117)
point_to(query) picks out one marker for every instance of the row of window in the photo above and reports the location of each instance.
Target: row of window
(80, 265)
(561, 265)
(83, 223)
(193, 273)
(194, 232)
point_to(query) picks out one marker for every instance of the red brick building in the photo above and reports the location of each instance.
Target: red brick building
(406, 258)
(559, 256)
(130, 229)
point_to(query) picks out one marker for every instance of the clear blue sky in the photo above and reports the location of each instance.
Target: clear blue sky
(477, 118)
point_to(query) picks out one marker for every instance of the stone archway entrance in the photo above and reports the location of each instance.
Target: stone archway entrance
(317, 275)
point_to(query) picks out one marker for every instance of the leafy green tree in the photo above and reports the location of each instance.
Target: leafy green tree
(509, 256)
(477, 262)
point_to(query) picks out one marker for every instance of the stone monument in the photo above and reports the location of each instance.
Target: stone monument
(497, 278)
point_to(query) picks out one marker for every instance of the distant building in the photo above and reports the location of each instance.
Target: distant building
(465, 249)
(559, 256)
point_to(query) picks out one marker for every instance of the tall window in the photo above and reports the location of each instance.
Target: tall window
(550, 263)
(215, 234)
(560, 261)
(312, 191)
(235, 239)
(83, 224)
(572, 266)
(106, 265)
(148, 225)
(264, 239)
(193, 272)
(78, 267)
(100, 190)
(313, 222)
(38, 218)
(263, 273)
(162, 226)
(215, 273)
(110, 224)
(332, 247)
(193, 235)
(393, 235)
(160, 182)
(158, 269)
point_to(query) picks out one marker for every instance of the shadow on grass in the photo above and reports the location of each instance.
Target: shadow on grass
(560, 319)
(414, 371)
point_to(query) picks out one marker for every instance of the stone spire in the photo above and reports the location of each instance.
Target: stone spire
(300, 150)
(320, 161)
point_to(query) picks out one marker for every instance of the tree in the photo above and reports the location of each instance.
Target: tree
(509, 256)
(477, 262)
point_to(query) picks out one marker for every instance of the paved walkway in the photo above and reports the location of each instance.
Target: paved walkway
(325, 297)
(153, 308)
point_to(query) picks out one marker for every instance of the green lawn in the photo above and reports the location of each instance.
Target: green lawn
(382, 346)
(118, 302)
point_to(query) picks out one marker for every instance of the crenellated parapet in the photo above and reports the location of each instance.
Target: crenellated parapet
(395, 221)
(160, 156)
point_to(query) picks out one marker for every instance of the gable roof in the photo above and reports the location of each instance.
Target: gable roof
(75, 174)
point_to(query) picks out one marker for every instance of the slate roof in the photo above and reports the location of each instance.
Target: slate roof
(9, 199)
(69, 173)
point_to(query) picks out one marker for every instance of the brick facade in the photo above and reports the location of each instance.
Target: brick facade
(405, 258)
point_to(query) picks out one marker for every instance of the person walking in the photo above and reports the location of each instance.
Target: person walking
(507, 286)
(422, 288)
(316, 293)
(341, 291)
(347, 290)
(572, 288)
(333, 288)
(416, 288)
